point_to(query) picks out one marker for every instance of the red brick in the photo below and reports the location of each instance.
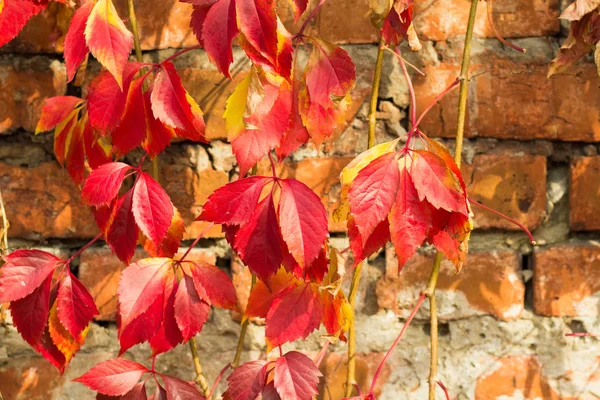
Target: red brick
(24, 91)
(42, 202)
(322, 175)
(100, 271)
(489, 283)
(510, 100)
(584, 193)
(29, 378)
(441, 19)
(514, 185)
(566, 280)
(334, 368)
(518, 376)
(189, 189)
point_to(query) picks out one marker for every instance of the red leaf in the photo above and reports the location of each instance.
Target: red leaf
(122, 232)
(137, 393)
(14, 15)
(143, 328)
(132, 130)
(378, 239)
(261, 297)
(219, 28)
(373, 192)
(76, 308)
(106, 99)
(171, 104)
(50, 351)
(141, 284)
(108, 38)
(247, 381)
(113, 377)
(96, 152)
(296, 134)
(409, 220)
(56, 110)
(30, 314)
(170, 245)
(234, 203)
(330, 75)
(158, 135)
(303, 221)
(299, 7)
(76, 48)
(296, 377)
(168, 335)
(152, 208)
(23, 272)
(258, 23)
(215, 283)
(270, 393)
(180, 390)
(435, 182)
(257, 241)
(294, 314)
(102, 185)
(191, 312)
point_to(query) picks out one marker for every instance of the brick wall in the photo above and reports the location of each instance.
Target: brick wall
(531, 152)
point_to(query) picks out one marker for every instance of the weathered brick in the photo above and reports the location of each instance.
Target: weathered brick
(100, 271)
(43, 202)
(321, 175)
(489, 283)
(189, 189)
(31, 378)
(23, 90)
(584, 192)
(334, 368)
(441, 19)
(514, 185)
(566, 280)
(516, 376)
(512, 100)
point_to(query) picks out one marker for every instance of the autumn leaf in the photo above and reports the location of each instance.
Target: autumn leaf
(191, 312)
(152, 208)
(180, 390)
(23, 272)
(121, 232)
(14, 15)
(76, 308)
(108, 38)
(30, 313)
(215, 27)
(247, 381)
(114, 377)
(103, 184)
(295, 313)
(257, 21)
(296, 376)
(76, 49)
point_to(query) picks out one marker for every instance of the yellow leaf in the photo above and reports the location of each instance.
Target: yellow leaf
(63, 340)
(236, 108)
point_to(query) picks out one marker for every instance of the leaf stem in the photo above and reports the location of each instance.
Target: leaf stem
(321, 354)
(411, 89)
(195, 242)
(506, 217)
(4, 230)
(400, 335)
(441, 384)
(308, 19)
(200, 378)
(273, 169)
(496, 33)
(81, 250)
(181, 52)
(396, 53)
(240, 344)
(212, 391)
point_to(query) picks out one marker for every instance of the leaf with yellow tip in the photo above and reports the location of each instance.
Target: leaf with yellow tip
(62, 339)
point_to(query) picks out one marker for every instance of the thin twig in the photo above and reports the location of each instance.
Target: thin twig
(195, 242)
(134, 27)
(406, 324)
(506, 217)
(396, 53)
(496, 33)
(444, 389)
(212, 391)
(308, 19)
(321, 354)
(240, 344)
(411, 89)
(200, 378)
(5, 226)
(351, 373)
(81, 250)
(181, 52)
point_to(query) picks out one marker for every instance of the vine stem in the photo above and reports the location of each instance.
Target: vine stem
(200, 378)
(81, 250)
(216, 384)
(506, 217)
(460, 131)
(240, 344)
(308, 19)
(5, 226)
(195, 242)
(411, 89)
(351, 373)
(498, 35)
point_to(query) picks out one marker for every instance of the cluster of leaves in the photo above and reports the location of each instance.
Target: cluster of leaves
(50, 307)
(278, 227)
(410, 196)
(584, 35)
